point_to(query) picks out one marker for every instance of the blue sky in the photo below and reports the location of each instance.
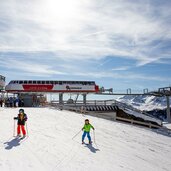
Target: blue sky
(117, 43)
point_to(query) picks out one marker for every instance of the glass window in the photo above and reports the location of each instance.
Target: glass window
(30, 82)
(60, 82)
(92, 83)
(43, 82)
(25, 82)
(34, 82)
(20, 82)
(51, 82)
(47, 82)
(38, 82)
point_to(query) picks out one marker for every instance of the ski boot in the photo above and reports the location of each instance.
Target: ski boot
(18, 136)
(90, 142)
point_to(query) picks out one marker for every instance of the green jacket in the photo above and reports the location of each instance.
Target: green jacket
(87, 127)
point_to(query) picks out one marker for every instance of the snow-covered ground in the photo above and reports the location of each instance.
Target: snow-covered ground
(144, 102)
(50, 147)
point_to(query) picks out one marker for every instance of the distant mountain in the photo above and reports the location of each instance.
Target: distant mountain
(145, 102)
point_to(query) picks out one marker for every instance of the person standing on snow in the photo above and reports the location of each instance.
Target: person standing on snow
(22, 118)
(86, 129)
(1, 102)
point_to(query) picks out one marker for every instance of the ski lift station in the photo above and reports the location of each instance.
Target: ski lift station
(33, 93)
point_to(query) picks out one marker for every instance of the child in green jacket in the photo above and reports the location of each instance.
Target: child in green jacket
(86, 129)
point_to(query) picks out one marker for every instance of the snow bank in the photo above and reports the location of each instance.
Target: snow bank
(50, 147)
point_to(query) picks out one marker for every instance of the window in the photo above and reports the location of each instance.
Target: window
(92, 83)
(51, 82)
(60, 82)
(25, 82)
(34, 82)
(47, 82)
(20, 82)
(38, 82)
(43, 82)
(30, 82)
(14, 82)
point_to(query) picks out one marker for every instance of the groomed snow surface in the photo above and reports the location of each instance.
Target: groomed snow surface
(49, 147)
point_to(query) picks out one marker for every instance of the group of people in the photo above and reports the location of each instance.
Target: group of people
(11, 102)
(22, 118)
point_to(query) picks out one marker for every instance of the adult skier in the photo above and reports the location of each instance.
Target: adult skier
(86, 128)
(22, 118)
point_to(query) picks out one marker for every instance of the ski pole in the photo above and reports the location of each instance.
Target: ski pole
(27, 130)
(76, 134)
(94, 138)
(14, 129)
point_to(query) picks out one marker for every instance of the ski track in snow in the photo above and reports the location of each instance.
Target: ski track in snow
(49, 146)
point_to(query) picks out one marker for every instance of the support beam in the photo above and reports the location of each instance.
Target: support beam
(61, 98)
(84, 99)
(168, 109)
(76, 98)
(129, 91)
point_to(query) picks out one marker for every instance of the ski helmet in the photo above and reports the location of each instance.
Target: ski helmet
(21, 110)
(86, 120)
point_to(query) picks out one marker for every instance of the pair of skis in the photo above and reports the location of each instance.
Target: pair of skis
(20, 137)
(87, 143)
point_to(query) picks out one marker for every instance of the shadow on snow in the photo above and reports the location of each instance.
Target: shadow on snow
(12, 143)
(91, 148)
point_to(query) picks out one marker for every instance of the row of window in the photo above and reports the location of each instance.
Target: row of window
(2, 78)
(52, 82)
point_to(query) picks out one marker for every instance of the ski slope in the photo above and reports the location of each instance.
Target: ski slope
(50, 147)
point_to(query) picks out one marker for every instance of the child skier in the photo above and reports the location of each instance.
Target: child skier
(86, 129)
(22, 118)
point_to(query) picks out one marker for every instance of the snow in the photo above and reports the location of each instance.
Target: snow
(50, 147)
(145, 117)
(145, 102)
(137, 113)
